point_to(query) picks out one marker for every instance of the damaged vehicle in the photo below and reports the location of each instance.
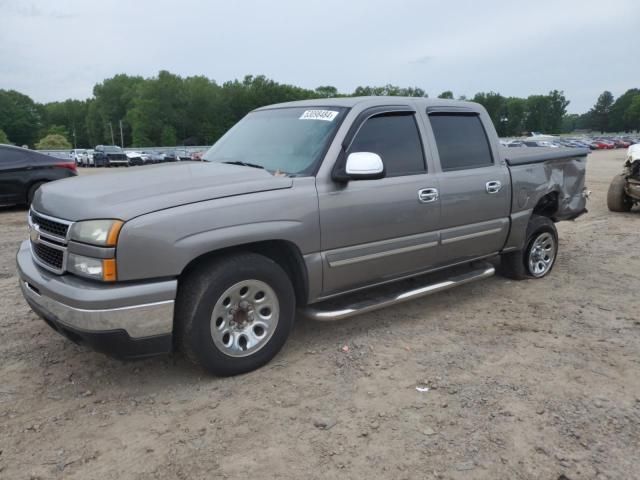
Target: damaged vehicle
(624, 191)
(323, 208)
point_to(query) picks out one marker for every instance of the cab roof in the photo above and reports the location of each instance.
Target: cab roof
(374, 101)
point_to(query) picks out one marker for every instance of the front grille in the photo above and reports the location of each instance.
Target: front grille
(50, 226)
(49, 241)
(49, 255)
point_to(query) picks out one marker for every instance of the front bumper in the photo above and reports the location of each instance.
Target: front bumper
(124, 320)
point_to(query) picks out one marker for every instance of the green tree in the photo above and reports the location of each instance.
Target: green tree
(158, 110)
(20, 117)
(557, 109)
(327, 91)
(3, 138)
(72, 115)
(446, 94)
(516, 116)
(632, 114)
(113, 98)
(389, 90)
(601, 111)
(496, 106)
(618, 119)
(57, 130)
(570, 122)
(53, 141)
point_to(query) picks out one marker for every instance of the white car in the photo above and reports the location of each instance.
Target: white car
(79, 156)
(633, 152)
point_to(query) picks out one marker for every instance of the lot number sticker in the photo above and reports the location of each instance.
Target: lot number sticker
(326, 115)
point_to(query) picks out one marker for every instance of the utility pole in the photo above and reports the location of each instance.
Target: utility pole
(74, 138)
(121, 136)
(113, 142)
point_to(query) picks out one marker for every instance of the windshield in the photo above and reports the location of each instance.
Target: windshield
(284, 140)
(112, 148)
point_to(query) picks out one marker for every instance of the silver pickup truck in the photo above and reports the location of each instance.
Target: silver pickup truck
(323, 208)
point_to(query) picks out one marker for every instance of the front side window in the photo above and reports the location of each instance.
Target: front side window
(287, 141)
(461, 140)
(396, 139)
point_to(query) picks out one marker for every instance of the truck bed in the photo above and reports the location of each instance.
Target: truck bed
(527, 155)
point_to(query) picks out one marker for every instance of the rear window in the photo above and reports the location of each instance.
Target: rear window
(461, 141)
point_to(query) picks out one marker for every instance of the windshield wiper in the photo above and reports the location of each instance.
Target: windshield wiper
(244, 164)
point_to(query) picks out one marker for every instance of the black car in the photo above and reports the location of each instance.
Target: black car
(110, 156)
(22, 171)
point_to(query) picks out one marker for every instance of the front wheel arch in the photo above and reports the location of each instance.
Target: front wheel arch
(285, 253)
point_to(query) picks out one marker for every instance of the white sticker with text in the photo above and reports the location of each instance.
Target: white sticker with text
(326, 115)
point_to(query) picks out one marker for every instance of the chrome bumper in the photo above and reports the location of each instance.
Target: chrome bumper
(141, 309)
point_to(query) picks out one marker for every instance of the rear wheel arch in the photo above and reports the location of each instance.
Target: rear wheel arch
(548, 205)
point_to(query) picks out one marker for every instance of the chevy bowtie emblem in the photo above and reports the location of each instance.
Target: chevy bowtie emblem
(34, 234)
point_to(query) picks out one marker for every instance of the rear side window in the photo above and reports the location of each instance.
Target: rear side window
(461, 141)
(396, 139)
(10, 157)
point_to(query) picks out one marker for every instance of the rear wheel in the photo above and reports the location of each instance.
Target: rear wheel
(617, 198)
(540, 252)
(234, 314)
(32, 191)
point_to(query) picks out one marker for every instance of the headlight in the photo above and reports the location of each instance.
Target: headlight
(99, 269)
(103, 233)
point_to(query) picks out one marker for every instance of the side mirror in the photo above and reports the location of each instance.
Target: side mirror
(364, 166)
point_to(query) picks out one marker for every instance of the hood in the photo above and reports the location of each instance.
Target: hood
(133, 192)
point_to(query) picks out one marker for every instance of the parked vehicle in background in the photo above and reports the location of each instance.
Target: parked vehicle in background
(79, 156)
(170, 157)
(298, 206)
(516, 143)
(155, 157)
(110, 156)
(606, 144)
(620, 143)
(624, 191)
(176, 156)
(90, 162)
(138, 158)
(197, 156)
(23, 171)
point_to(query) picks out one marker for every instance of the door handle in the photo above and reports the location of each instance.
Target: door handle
(427, 195)
(494, 186)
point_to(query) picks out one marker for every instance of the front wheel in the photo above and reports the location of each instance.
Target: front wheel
(234, 314)
(539, 255)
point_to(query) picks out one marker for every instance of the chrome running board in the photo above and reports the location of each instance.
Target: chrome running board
(385, 296)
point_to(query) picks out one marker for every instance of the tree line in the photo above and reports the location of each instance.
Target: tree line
(168, 110)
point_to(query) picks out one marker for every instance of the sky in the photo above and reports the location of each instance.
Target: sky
(54, 50)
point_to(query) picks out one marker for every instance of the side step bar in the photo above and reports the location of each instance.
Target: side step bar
(350, 305)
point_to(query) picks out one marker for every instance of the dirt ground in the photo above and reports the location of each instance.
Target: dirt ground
(527, 380)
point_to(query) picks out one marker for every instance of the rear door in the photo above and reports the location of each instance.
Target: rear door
(376, 230)
(474, 187)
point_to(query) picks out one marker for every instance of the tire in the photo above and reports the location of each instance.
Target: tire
(539, 255)
(617, 198)
(211, 320)
(32, 191)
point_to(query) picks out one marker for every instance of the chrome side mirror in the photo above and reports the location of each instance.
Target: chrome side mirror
(364, 166)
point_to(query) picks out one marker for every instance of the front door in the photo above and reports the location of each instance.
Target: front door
(377, 230)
